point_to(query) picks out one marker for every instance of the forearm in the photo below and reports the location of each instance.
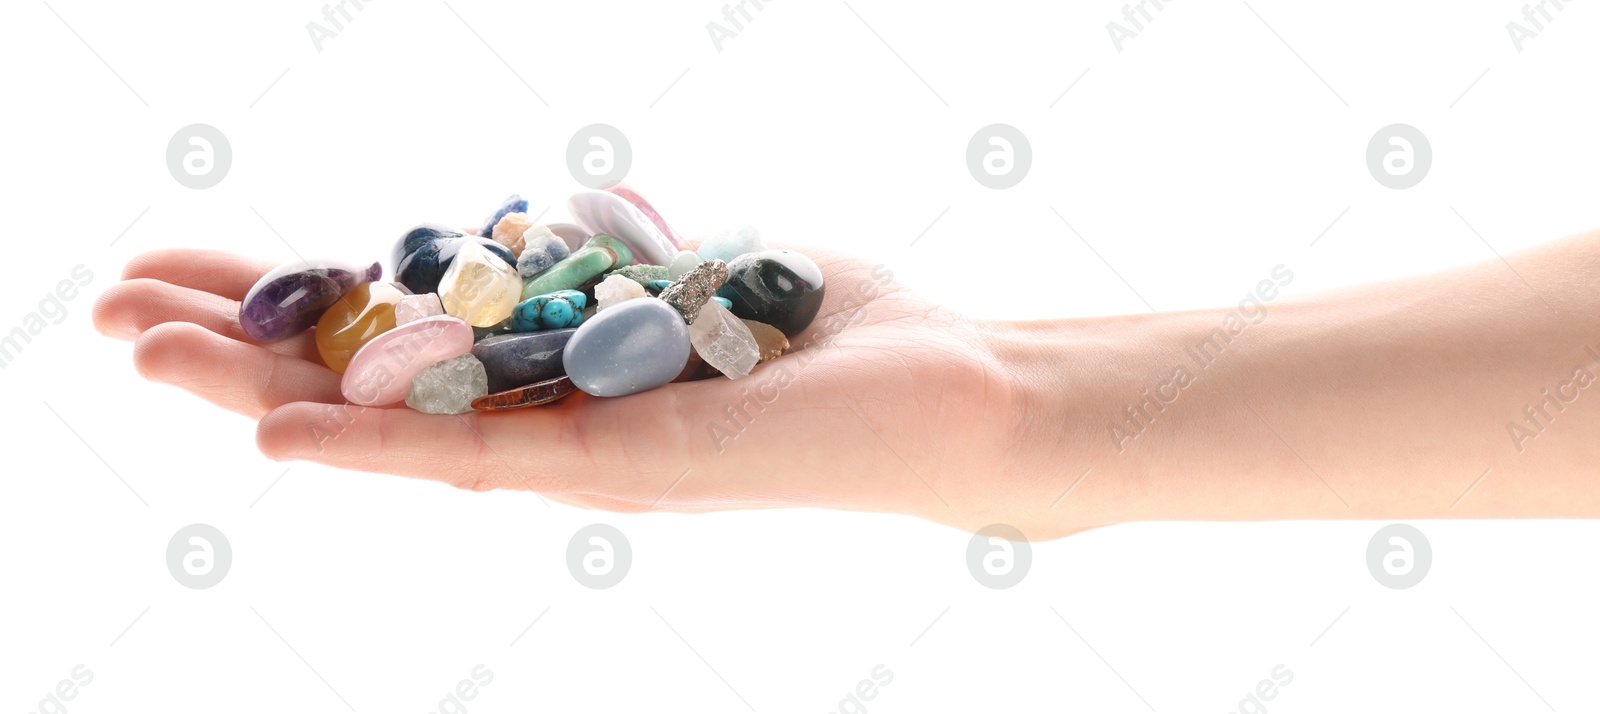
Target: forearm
(1386, 401)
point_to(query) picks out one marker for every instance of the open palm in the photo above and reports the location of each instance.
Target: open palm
(887, 403)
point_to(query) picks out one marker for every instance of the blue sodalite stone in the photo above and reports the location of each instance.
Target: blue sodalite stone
(512, 204)
(552, 311)
(781, 288)
(513, 361)
(423, 254)
(542, 251)
(637, 345)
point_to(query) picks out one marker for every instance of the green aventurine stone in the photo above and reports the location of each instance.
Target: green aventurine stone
(641, 274)
(600, 254)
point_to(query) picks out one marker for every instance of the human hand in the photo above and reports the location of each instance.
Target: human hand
(887, 403)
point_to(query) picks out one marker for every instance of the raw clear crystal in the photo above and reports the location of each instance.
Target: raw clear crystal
(724, 341)
(415, 307)
(449, 386)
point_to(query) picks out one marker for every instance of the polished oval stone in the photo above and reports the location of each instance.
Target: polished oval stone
(600, 254)
(363, 313)
(635, 346)
(632, 196)
(289, 299)
(521, 359)
(431, 253)
(683, 262)
(601, 212)
(532, 395)
(479, 287)
(730, 245)
(417, 237)
(781, 288)
(381, 371)
(512, 204)
(552, 311)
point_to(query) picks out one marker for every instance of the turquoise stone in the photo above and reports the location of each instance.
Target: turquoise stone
(659, 285)
(600, 254)
(724, 302)
(562, 308)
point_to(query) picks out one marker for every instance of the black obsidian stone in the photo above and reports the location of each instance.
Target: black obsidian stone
(781, 288)
(422, 255)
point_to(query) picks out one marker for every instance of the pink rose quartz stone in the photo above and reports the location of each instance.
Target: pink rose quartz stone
(381, 372)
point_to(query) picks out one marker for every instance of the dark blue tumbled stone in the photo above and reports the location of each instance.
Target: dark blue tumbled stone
(431, 248)
(513, 204)
(521, 359)
(781, 288)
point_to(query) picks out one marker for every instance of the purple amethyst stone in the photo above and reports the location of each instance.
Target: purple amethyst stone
(292, 297)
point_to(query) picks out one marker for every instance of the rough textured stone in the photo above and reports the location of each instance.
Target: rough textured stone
(415, 307)
(691, 291)
(723, 341)
(541, 249)
(360, 315)
(513, 204)
(781, 288)
(380, 373)
(289, 299)
(770, 341)
(479, 287)
(532, 395)
(508, 232)
(635, 346)
(614, 290)
(641, 273)
(448, 387)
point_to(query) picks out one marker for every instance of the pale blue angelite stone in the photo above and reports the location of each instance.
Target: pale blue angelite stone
(638, 345)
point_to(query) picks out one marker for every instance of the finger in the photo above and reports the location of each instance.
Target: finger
(129, 308)
(629, 450)
(212, 271)
(242, 378)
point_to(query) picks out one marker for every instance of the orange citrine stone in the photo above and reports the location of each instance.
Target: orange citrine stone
(362, 314)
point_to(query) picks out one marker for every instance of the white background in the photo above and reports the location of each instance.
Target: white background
(1194, 160)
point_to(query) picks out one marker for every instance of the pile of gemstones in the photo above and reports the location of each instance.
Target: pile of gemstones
(522, 314)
